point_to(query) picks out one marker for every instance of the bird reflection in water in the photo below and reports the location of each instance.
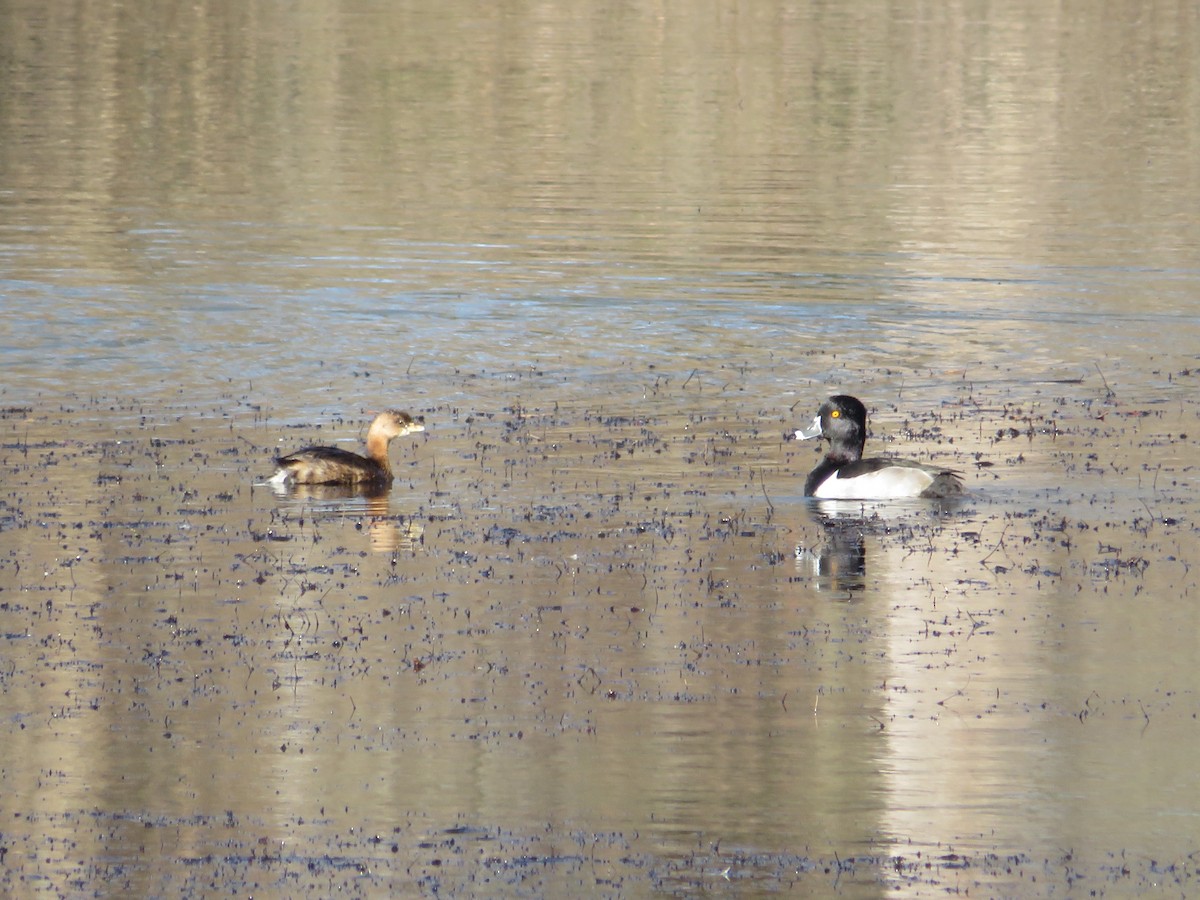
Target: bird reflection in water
(836, 561)
(387, 531)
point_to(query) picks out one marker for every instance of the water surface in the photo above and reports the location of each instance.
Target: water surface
(595, 640)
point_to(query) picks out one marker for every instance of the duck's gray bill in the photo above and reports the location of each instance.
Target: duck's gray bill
(812, 431)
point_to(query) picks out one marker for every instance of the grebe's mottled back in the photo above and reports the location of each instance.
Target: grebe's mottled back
(331, 465)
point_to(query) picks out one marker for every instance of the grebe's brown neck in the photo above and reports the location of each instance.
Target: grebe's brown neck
(377, 447)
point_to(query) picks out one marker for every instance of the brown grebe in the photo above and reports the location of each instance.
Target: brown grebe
(331, 465)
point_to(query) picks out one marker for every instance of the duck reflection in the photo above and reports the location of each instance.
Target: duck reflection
(387, 532)
(836, 560)
(331, 493)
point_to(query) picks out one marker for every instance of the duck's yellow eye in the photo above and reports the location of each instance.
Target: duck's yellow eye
(836, 414)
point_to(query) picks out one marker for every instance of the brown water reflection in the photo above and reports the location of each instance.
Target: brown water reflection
(593, 640)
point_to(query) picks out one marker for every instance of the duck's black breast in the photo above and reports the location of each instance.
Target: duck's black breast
(843, 467)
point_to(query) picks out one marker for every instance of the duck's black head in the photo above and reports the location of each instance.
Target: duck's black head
(842, 420)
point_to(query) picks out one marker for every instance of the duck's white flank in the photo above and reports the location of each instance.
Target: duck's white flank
(891, 483)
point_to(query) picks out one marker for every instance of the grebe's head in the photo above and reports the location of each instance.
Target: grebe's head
(394, 423)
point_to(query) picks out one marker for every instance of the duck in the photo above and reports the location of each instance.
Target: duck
(332, 465)
(843, 474)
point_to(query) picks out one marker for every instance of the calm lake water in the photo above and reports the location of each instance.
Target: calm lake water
(595, 641)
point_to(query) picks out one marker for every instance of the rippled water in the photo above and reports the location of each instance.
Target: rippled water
(595, 640)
